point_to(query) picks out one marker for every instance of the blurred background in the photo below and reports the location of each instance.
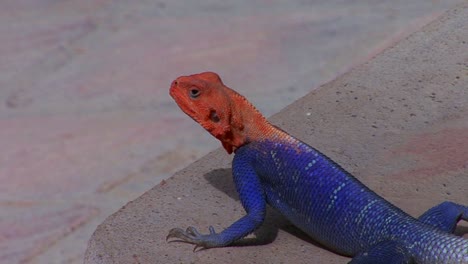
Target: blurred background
(85, 114)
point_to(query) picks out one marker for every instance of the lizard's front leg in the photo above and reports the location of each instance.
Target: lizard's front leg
(252, 197)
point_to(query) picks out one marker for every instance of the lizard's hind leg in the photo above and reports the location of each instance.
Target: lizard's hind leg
(445, 216)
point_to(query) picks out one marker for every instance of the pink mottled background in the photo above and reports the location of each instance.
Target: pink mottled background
(84, 108)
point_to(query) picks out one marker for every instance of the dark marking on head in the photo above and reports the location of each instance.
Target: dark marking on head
(214, 116)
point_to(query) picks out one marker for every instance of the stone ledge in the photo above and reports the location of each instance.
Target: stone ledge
(398, 122)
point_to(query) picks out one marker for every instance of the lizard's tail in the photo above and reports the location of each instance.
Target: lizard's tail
(440, 247)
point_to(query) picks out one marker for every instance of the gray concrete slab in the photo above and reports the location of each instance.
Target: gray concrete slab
(398, 122)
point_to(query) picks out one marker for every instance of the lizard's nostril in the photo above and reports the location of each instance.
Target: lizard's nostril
(174, 83)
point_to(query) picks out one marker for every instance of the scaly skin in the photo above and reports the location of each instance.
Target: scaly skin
(314, 193)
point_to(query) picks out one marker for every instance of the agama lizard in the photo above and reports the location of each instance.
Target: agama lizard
(309, 189)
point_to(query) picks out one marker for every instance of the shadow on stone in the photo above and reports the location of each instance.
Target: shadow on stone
(221, 179)
(461, 230)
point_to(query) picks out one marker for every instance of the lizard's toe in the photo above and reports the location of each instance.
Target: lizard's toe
(192, 236)
(189, 235)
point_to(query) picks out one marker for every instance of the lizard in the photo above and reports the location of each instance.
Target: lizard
(313, 192)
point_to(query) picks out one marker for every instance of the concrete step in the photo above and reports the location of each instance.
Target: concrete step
(399, 123)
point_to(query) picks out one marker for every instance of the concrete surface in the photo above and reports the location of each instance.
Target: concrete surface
(399, 123)
(86, 122)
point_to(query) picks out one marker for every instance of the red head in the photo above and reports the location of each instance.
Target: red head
(224, 113)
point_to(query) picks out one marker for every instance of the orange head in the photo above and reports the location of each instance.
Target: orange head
(224, 113)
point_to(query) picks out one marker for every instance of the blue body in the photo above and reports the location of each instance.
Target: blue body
(332, 206)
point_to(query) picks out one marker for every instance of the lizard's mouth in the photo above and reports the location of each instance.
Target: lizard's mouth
(180, 100)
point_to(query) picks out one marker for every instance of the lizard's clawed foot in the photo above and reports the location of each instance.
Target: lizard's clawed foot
(192, 236)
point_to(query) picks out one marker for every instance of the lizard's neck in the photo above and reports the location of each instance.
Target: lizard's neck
(247, 124)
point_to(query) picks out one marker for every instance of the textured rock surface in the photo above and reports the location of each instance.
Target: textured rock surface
(399, 123)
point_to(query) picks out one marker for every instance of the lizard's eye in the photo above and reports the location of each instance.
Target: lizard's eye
(194, 92)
